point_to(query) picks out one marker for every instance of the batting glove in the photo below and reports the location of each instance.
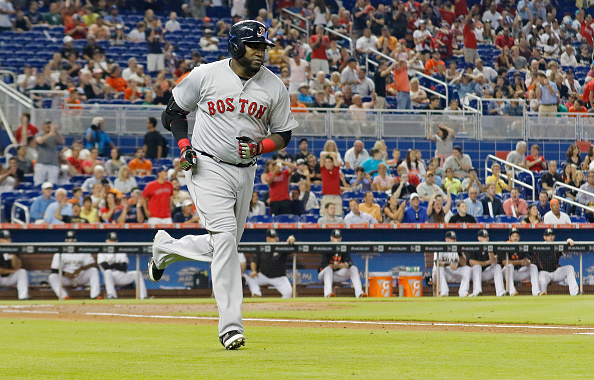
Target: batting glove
(189, 158)
(248, 148)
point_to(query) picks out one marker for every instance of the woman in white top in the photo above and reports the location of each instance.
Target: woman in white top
(299, 68)
(125, 182)
(330, 146)
(412, 165)
(321, 16)
(418, 96)
(444, 141)
(382, 181)
(113, 165)
(257, 207)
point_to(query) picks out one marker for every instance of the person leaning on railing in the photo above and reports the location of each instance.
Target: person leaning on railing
(585, 198)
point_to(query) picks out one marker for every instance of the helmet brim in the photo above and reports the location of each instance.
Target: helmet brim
(258, 41)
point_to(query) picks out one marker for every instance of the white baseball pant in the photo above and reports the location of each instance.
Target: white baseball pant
(155, 62)
(113, 278)
(459, 275)
(222, 194)
(329, 276)
(20, 279)
(43, 173)
(491, 273)
(566, 273)
(524, 273)
(282, 284)
(86, 277)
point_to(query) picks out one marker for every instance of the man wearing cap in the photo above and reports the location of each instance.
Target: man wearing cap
(77, 269)
(551, 270)
(114, 267)
(556, 216)
(338, 267)
(514, 205)
(67, 49)
(186, 215)
(139, 166)
(415, 213)
(208, 42)
(157, 195)
(269, 269)
(358, 217)
(484, 267)
(97, 138)
(41, 203)
(11, 269)
(426, 189)
(520, 267)
(58, 210)
(348, 76)
(452, 269)
(47, 167)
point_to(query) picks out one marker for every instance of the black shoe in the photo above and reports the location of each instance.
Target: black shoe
(153, 272)
(232, 340)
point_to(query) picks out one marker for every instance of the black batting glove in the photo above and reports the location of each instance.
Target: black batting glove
(248, 148)
(189, 158)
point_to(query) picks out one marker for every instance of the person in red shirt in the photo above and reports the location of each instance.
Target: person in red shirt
(330, 173)
(157, 195)
(31, 130)
(278, 182)
(460, 7)
(504, 40)
(588, 94)
(534, 161)
(470, 46)
(413, 5)
(76, 28)
(74, 161)
(319, 43)
(446, 13)
(444, 41)
(586, 28)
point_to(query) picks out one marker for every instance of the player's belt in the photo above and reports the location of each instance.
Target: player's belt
(228, 163)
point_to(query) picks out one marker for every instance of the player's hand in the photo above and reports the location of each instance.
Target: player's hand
(189, 158)
(248, 148)
(454, 266)
(291, 239)
(253, 274)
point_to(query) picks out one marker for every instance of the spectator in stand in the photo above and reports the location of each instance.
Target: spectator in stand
(125, 182)
(543, 202)
(319, 43)
(459, 162)
(56, 211)
(157, 195)
(155, 144)
(386, 43)
(96, 137)
(577, 106)
(187, 214)
(355, 155)
(492, 206)
(355, 216)
(91, 161)
(53, 16)
(98, 175)
(30, 129)
(329, 215)
(299, 68)
(138, 34)
(361, 182)
(313, 166)
(534, 161)
(495, 178)
(24, 164)
(426, 189)
(372, 162)
(504, 40)
(257, 207)
(179, 195)
(474, 206)
(436, 211)
(303, 152)
(100, 30)
(111, 206)
(547, 94)
(472, 181)
(309, 199)
(393, 211)
(370, 207)
(47, 167)
(415, 213)
(366, 42)
(492, 15)
(462, 216)
(115, 79)
(113, 18)
(382, 182)
(113, 165)
(470, 45)
(443, 141)
(26, 80)
(533, 216)
(518, 156)
(403, 184)
(366, 86)
(568, 58)
(556, 216)
(488, 73)
(297, 204)
(172, 25)
(451, 183)
(278, 181)
(518, 60)
(74, 161)
(431, 64)
(330, 173)
(550, 177)
(76, 28)
(422, 37)
(574, 156)
(41, 203)
(139, 165)
(585, 198)
(155, 59)
(132, 69)
(379, 82)
(209, 42)
(407, 92)
(514, 205)
(319, 82)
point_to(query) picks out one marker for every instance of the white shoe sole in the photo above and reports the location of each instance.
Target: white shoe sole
(150, 272)
(235, 342)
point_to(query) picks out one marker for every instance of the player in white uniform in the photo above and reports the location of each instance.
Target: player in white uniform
(114, 267)
(77, 269)
(11, 271)
(550, 270)
(520, 268)
(452, 268)
(243, 110)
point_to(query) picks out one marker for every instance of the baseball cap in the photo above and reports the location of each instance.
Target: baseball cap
(71, 235)
(163, 168)
(549, 232)
(450, 235)
(514, 231)
(421, 21)
(413, 196)
(187, 202)
(430, 173)
(97, 120)
(271, 233)
(113, 236)
(207, 31)
(304, 84)
(4, 234)
(472, 170)
(300, 161)
(352, 60)
(67, 39)
(47, 185)
(105, 181)
(336, 234)
(554, 201)
(483, 233)
(47, 121)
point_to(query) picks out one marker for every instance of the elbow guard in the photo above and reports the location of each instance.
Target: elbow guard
(174, 115)
(286, 137)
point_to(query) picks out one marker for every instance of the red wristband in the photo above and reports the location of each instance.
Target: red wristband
(183, 144)
(268, 146)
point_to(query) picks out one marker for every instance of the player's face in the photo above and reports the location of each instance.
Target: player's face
(514, 237)
(335, 239)
(253, 58)
(483, 239)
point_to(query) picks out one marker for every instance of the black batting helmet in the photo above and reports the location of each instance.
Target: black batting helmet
(246, 31)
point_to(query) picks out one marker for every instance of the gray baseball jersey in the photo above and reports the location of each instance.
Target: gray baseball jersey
(227, 108)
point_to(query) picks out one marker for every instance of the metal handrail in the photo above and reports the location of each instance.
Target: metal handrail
(7, 127)
(13, 217)
(344, 37)
(11, 73)
(16, 95)
(446, 96)
(571, 202)
(300, 17)
(519, 168)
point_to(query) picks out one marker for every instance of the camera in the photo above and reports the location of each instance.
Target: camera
(95, 127)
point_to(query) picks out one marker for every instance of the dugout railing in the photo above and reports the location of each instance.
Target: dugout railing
(366, 250)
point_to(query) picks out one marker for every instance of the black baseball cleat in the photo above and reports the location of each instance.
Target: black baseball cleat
(232, 340)
(154, 272)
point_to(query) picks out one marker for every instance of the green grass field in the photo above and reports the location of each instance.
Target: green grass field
(39, 349)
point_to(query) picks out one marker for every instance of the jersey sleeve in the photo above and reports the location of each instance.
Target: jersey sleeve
(187, 92)
(281, 118)
(56, 261)
(88, 259)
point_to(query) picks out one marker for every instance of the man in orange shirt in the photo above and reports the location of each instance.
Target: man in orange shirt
(386, 43)
(431, 65)
(139, 166)
(295, 103)
(132, 92)
(578, 106)
(115, 79)
(400, 86)
(588, 94)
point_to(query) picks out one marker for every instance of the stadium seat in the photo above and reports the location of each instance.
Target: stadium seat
(484, 219)
(286, 218)
(578, 219)
(309, 218)
(261, 187)
(313, 211)
(506, 219)
(260, 219)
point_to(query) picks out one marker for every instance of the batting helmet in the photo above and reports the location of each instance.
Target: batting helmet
(246, 31)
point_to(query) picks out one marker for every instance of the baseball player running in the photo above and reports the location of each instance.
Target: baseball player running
(338, 267)
(11, 271)
(485, 268)
(550, 270)
(243, 111)
(77, 269)
(520, 267)
(452, 268)
(114, 267)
